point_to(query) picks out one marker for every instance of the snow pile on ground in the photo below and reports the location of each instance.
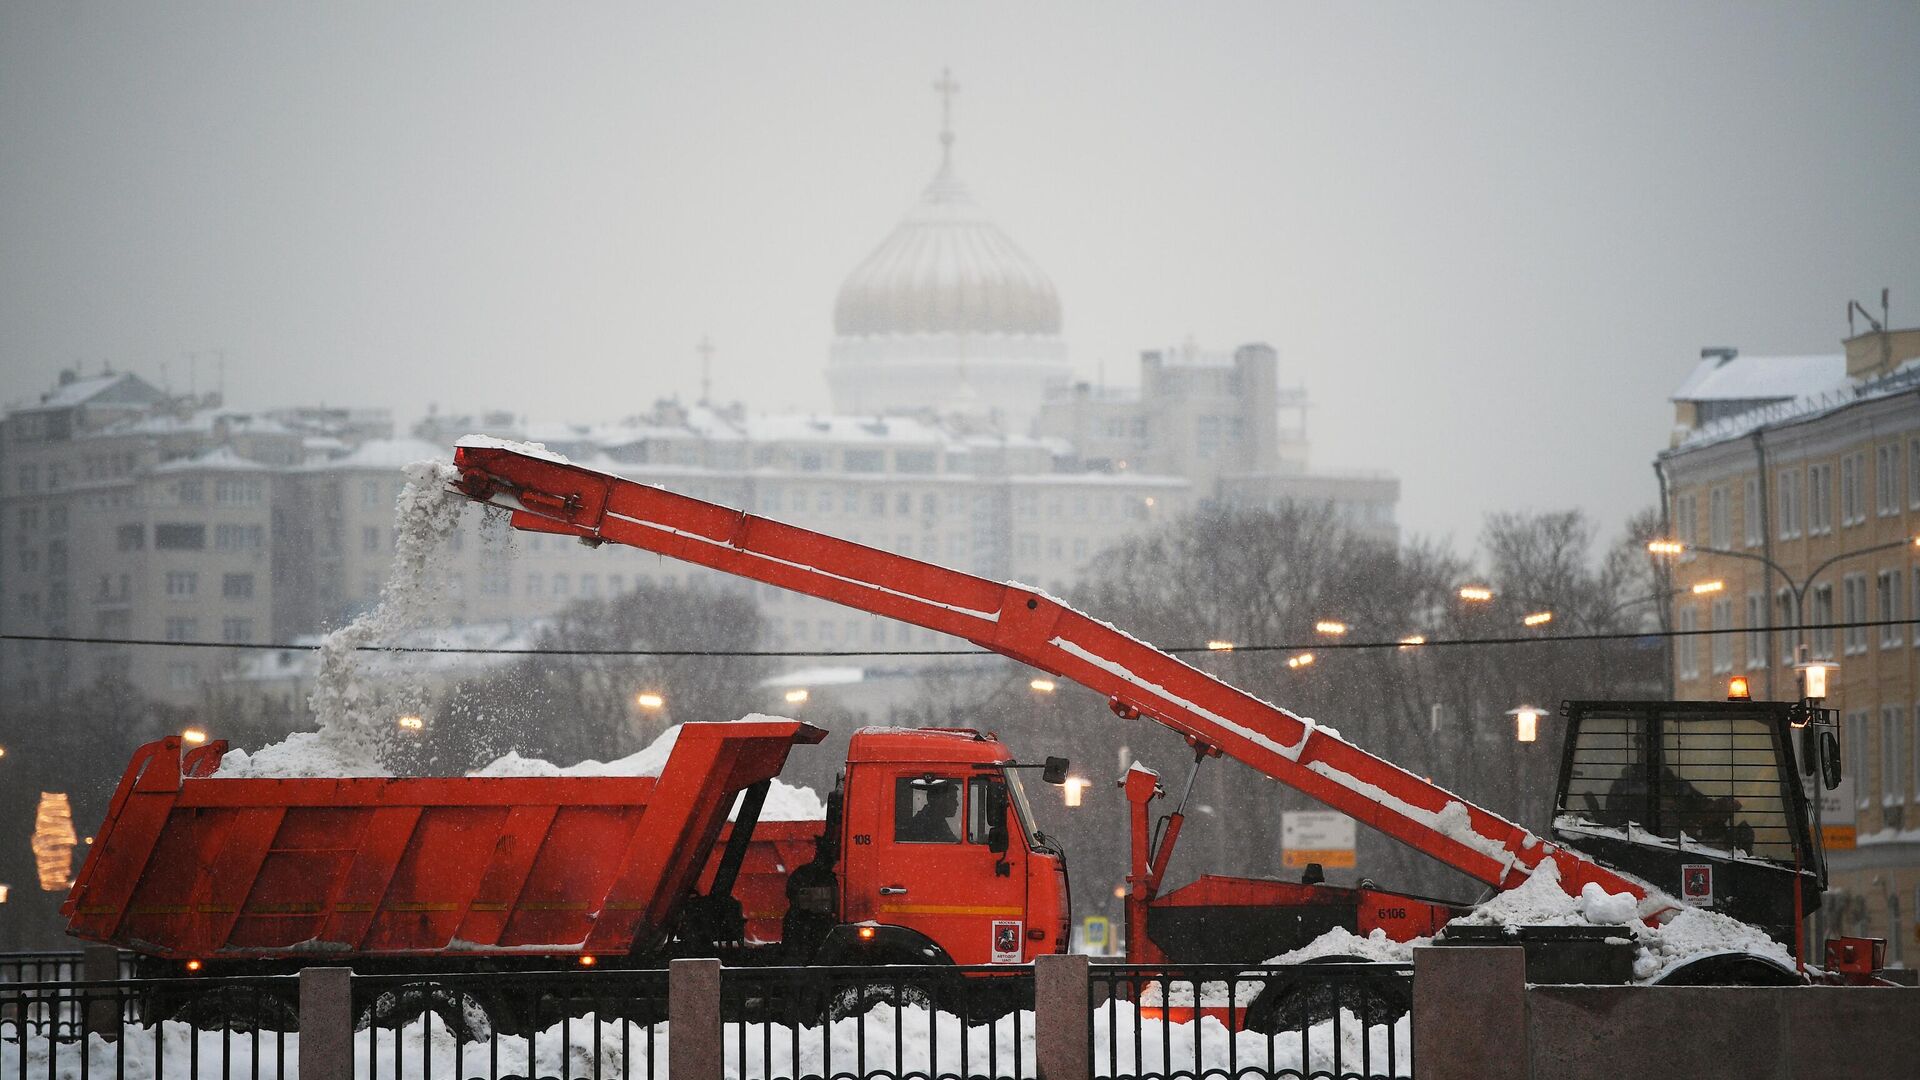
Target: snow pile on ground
(905, 1042)
(785, 802)
(1340, 941)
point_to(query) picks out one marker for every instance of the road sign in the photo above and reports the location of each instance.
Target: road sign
(1095, 933)
(1316, 836)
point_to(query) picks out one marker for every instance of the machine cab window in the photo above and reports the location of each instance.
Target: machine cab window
(926, 810)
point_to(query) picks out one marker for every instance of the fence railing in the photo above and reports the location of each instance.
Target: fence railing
(1060, 1016)
(149, 1028)
(798, 1022)
(1337, 1021)
(64, 966)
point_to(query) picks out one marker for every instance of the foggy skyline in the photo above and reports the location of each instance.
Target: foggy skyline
(1489, 241)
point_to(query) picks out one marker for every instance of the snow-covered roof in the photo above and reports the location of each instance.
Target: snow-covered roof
(79, 391)
(1903, 379)
(1762, 378)
(384, 454)
(816, 676)
(218, 459)
(799, 427)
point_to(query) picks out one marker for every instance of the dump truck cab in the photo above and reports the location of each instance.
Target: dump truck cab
(940, 860)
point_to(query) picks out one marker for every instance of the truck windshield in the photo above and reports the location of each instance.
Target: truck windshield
(1022, 811)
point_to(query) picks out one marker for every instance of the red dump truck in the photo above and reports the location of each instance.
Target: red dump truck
(927, 855)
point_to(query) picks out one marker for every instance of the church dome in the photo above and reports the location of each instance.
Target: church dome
(946, 269)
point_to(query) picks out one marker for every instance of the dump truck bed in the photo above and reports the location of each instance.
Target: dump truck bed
(191, 865)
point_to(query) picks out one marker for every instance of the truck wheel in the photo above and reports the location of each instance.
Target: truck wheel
(238, 1009)
(461, 1013)
(1294, 1002)
(860, 998)
(1731, 969)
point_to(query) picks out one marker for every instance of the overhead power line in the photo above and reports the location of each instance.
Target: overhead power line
(1316, 645)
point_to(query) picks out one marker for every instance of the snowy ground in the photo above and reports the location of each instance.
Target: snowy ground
(907, 1041)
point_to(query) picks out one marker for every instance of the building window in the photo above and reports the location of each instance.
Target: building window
(1686, 647)
(1684, 520)
(1853, 736)
(239, 537)
(236, 586)
(1787, 501)
(1756, 630)
(182, 629)
(1819, 499)
(1750, 511)
(1853, 489)
(1893, 755)
(1887, 593)
(1722, 616)
(1823, 620)
(180, 537)
(1719, 517)
(369, 539)
(130, 537)
(236, 631)
(236, 492)
(182, 677)
(1913, 475)
(914, 461)
(1787, 616)
(1853, 606)
(536, 586)
(1886, 478)
(182, 583)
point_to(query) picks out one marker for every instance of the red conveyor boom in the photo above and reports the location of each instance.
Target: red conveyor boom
(548, 494)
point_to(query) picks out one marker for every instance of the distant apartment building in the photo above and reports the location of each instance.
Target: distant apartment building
(1812, 464)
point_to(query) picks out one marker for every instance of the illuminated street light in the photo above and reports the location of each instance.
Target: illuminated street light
(1119, 892)
(1304, 659)
(1702, 588)
(796, 696)
(1538, 618)
(1217, 645)
(649, 700)
(411, 723)
(193, 736)
(1476, 593)
(1330, 627)
(1666, 547)
(1412, 640)
(1041, 686)
(1526, 723)
(4, 890)
(1073, 787)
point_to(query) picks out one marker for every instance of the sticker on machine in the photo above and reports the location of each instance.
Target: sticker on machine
(1006, 941)
(1696, 884)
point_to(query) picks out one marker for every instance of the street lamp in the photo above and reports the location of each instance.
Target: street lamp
(411, 723)
(1526, 723)
(649, 700)
(1219, 645)
(1041, 686)
(1674, 548)
(193, 736)
(1702, 588)
(1071, 790)
(1330, 627)
(1478, 594)
(796, 696)
(1538, 618)
(1300, 660)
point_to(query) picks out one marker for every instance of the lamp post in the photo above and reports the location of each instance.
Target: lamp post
(1674, 548)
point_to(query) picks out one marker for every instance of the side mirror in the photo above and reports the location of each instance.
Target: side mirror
(1055, 772)
(1829, 760)
(997, 818)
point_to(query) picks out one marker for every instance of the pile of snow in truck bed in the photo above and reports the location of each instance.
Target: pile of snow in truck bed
(310, 753)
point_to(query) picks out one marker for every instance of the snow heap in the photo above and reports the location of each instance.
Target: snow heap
(785, 802)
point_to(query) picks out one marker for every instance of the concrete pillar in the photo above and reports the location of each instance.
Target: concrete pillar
(696, 1045)
(101, 963)
(1062, 1018)
(1470, 1013)
(326, 1023)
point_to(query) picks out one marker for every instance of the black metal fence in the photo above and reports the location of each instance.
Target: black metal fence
(1337, 1021)
(43, 967)
(1340, 1021)
(584, 1025)
(802, 1022)
(231, 1028)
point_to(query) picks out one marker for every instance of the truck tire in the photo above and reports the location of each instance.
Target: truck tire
(463, 1014)
(1290, 1003)
(237, 1009)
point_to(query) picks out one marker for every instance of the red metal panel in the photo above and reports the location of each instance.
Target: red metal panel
(206, 866)
(1036, 630)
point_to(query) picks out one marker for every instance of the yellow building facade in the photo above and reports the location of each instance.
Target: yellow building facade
(1794, 483)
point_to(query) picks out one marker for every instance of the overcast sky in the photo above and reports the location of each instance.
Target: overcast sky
(1489, 240)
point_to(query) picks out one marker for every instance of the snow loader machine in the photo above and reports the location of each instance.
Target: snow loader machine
(1673, 804)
